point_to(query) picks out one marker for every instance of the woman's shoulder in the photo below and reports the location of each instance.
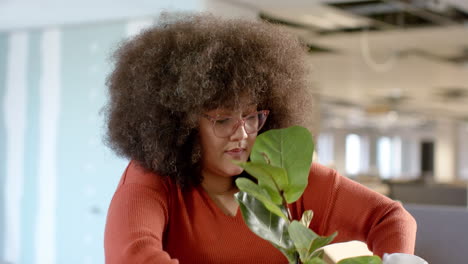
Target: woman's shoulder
(320, 174)
(136, 173)
(328, 178)
(321, 182)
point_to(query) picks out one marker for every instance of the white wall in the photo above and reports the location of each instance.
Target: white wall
(24, 14)
(57, 177)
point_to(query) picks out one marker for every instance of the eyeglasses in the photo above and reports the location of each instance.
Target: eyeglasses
(225, 126)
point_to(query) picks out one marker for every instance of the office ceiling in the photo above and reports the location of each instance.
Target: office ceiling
(375, 63)
(381, 63)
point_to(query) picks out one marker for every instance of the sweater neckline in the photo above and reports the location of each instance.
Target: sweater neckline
(212, 205)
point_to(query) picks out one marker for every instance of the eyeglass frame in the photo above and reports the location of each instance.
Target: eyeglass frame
(213, 120)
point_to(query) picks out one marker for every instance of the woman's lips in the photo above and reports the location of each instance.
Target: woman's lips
(235, 153)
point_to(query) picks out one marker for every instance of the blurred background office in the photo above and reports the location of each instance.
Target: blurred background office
(390, 77)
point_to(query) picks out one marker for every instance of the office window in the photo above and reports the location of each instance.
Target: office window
(364, 154)
(353, 154)
(389, 157)
(324, 149)
(463, 152)
(410, 157)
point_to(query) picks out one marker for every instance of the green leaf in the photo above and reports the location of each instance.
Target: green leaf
(307, 217)
(307, 242)
(302, 237)
(319, 243)
(273, 179)
(319, 254)
(289, 148)
(266, 225)
(248, 186)
(362, 260)
(315, 260)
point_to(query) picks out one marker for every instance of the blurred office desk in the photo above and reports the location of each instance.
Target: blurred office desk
(442, 236)
(429, 193)
(373, 182)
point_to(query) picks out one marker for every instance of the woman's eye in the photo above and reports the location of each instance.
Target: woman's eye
(223, 121)
(252, 117)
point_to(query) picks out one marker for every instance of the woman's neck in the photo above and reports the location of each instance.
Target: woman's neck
(221, 190)
(218, 185)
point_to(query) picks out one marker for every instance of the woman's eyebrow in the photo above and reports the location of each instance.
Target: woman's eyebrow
(225, 112)
(248, 109)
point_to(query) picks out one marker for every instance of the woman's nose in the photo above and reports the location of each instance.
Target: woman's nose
(239, 132)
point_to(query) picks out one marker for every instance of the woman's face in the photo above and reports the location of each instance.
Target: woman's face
(219, 152)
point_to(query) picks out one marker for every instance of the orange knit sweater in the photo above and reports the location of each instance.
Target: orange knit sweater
(150, 220)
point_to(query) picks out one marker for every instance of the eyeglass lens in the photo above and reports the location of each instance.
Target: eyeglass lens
(226, 126)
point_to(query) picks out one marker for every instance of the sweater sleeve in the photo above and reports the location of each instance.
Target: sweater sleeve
(136, 221)
(358, 213)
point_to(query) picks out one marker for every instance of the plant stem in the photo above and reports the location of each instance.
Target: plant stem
(285, 204)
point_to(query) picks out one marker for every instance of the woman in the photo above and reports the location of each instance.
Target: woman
(187, 97)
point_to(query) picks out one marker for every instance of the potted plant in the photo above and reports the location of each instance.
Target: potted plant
(280, 162)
